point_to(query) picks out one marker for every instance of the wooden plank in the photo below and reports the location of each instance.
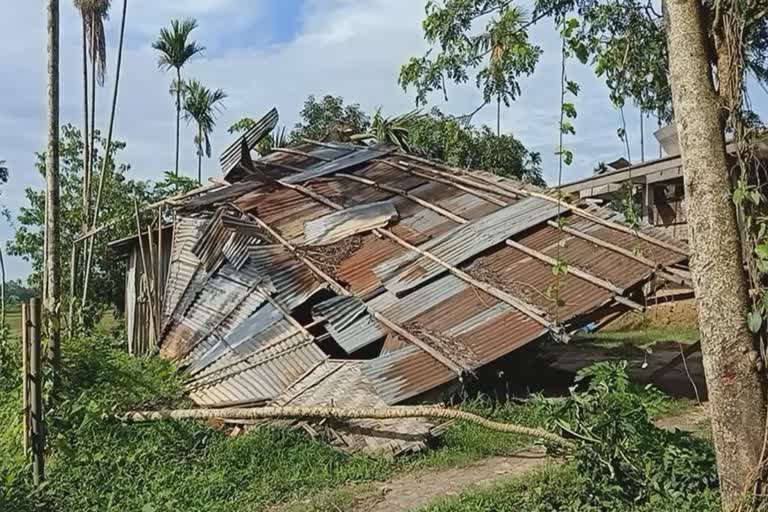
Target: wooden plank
(36, 393)
(605, 244)
(25, 407)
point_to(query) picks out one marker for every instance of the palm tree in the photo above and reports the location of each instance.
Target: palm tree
(175, 50)
(93, 13)
(392, 130)
(106, 159)
(201, 105)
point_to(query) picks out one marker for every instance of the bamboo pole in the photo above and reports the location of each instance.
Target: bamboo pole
(319, 413)
(25, 375)
(36, 392)
(144, 267)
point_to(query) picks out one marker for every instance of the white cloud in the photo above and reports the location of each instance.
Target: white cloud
(352, 48)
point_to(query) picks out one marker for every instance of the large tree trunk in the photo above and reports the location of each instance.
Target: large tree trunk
(52, 194)
(178, 117)
(731, 361)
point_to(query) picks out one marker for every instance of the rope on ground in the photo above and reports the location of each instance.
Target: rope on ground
(397, 412)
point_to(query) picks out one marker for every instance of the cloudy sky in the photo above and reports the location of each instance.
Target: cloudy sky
(267, 53)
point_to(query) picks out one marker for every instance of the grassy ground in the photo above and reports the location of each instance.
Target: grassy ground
(13, 319)
(98, 465)
(558, 489)
(640, 337)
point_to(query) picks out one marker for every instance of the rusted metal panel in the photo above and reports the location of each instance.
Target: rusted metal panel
(183, 263)
(356, 158)
(461, 243)
(405, 373)
(348, 322)
(231, 156)
(342, 384)
(336, 226)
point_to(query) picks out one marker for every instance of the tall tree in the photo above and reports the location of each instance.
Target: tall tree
(3, 179)
(108, 153)
(201, 105)
(735, 378)
(52, 195)
(175, 50)
(330, 120)
(485, 37)
(97, 12)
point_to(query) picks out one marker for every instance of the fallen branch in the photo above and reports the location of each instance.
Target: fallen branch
(397, 412)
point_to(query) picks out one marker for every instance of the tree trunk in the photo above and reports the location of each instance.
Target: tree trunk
(86, 132)
(86, 206)
(2, 292)
(92, 143)
(178, 117)
(731, 361)
(199, 154)
(106, 159)
(52, 195)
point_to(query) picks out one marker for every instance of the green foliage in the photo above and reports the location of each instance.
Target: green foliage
(174, 46)
(394, 130)
(242, 125)
(118, 199)
(560, 489)
(201, 105)
(446, 139)
(623, 457)
(486, 37)
(330, 120)
(16, 292)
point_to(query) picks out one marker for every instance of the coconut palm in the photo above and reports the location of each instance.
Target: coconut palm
(175, 51)
(201, 106)
(392, 130)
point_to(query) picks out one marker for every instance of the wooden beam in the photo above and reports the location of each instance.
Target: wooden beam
(404, 193)
(519, 192)
(36, 393)
(530, 310)
(25, 407)
(343, 291)
(475, 192)
(605, 244)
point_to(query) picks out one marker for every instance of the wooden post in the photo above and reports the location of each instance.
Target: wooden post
(25, 375)
(36, 392)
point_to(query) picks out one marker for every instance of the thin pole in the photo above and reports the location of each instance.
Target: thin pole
(25, 374)
(38, 425)
(72, 279)
(107, 158)
(642, 138)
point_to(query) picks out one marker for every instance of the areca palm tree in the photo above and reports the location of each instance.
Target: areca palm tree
(201, 106)
(393, 130)
(175, 51)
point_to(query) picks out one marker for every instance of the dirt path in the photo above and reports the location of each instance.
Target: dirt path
(417, 489)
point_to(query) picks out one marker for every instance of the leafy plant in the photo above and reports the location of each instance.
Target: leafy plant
(394, 130)
(623, 456)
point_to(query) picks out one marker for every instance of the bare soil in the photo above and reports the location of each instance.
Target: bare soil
(418, 489)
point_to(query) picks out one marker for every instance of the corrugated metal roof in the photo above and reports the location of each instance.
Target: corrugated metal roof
(349, 322)
(461, 243)
(331, 228)
(235, 317)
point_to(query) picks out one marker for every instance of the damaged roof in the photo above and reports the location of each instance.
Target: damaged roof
(347, 275)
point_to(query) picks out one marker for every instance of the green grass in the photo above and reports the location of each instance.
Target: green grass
(558, 489)
(188, 465)
(639, 337)
(13, 320)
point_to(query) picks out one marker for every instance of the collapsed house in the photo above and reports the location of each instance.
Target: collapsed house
(360, 276)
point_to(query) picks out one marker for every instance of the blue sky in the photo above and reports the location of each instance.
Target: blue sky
(267, 53)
